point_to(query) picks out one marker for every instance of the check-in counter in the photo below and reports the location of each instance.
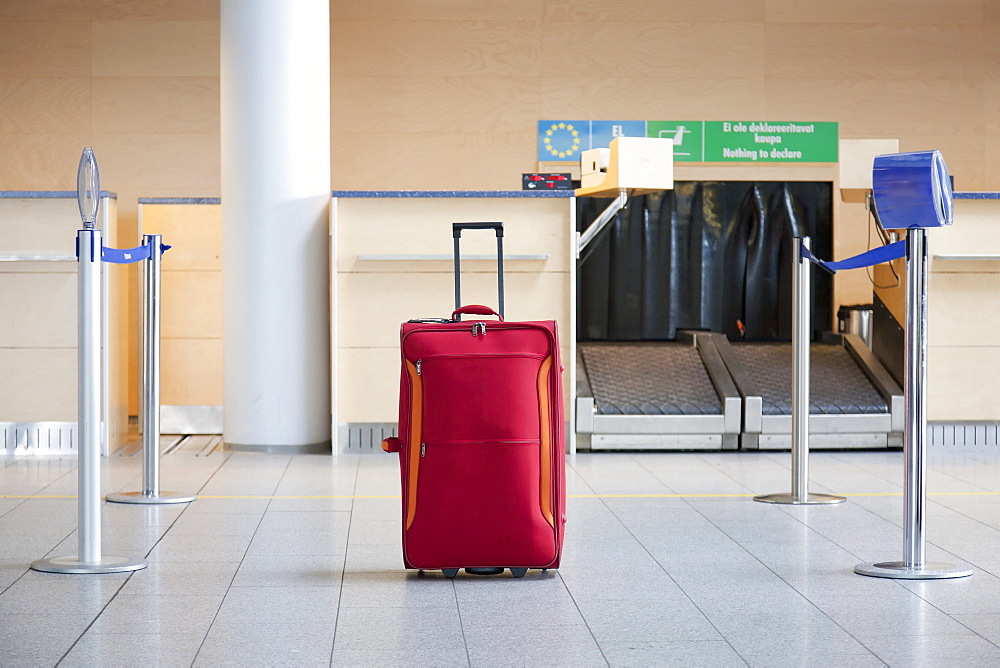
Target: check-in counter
(191, 311)
(38, 335)
(393, 252)
(963, 335)
(963, 323)
(393, 262)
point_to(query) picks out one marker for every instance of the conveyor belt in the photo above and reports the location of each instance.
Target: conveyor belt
(837, 386)
(649, 379)
(704, 392)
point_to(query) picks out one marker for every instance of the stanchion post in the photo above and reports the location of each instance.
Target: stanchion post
(913, 565)
(151, 493)
(89, 558)
(151, 370)
(801, 330)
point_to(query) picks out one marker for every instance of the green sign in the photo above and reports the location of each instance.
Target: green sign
(697, 141)
(688, 136)
(769, 141)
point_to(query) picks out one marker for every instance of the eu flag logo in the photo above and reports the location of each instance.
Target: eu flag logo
(562, 141)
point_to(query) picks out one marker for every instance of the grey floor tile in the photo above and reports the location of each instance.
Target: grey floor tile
(290, 571)
(970, 650)
(238, 506)
(646, 621)
(11, 571)
(319, 541)
(306, 504)
(979, 594)
(38, 640)
(304, 521)
(376, 657)
(866, 618)
(682, 654)
(271, 643)
(189, 548)
(309, 606)
(987, 625)
(376, 558)
(395, 589)
(165, 650)
(401, 629)
(532, 645)
(216, 524)
(32, 597)
(164, 614)
(165, 578)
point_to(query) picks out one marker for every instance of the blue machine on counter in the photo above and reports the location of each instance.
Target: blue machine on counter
(912, 190)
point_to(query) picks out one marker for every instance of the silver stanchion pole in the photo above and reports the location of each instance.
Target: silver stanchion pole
(151, 493)
(914, 566)
(89, 558)
(801, 303)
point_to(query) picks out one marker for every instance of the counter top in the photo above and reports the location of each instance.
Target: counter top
(374, 194)
(180, 200)
(47, 194)
(977, 195)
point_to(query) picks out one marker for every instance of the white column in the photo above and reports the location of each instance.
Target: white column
(275, 115)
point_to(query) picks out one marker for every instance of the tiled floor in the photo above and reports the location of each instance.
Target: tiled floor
(295, 560)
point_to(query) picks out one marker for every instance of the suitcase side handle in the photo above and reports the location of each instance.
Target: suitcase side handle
(456, 233)
(474, 309)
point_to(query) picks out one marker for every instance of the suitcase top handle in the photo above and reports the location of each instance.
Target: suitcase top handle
(456, 233)
(456, 228)
(474, 309)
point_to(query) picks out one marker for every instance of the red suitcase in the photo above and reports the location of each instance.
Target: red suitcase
(481, 445)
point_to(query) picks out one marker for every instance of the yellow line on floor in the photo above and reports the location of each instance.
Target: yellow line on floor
(244, 497)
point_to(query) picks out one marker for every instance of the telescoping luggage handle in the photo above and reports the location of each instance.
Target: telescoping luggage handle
(456, 232)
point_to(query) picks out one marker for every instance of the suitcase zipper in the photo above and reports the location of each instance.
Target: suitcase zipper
(423, 449)
(481, 326)
(419, 362)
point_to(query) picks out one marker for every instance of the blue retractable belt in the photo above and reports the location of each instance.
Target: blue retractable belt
(128, 255)
(870, 258)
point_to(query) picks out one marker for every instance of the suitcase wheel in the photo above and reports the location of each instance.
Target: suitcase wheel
(487, 570)
(449, 572)
(518, 572)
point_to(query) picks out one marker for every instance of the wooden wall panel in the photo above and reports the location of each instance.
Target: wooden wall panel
(627, 97)
(43, 105)
(159, 165)
(51, 48)
(432, 161)
(710, 11)
(155, 10)
(860, 51)
(435, 104)
(135, 105)
(437, 10)
(434, 48)
(653, 49)
(880, 11)
(41, 161)
(870, 108)
(155, 48)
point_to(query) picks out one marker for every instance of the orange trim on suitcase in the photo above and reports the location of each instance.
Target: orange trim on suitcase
(545, 441)
(416, 418)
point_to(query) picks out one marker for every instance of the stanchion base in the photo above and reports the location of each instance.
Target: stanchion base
(791, 499)
(931, 570)
(73, 565)
(143, 497)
